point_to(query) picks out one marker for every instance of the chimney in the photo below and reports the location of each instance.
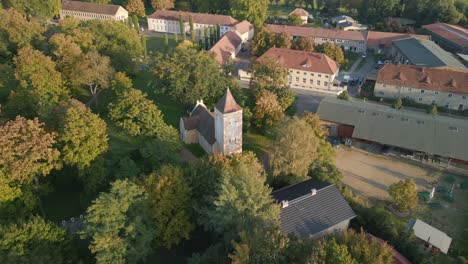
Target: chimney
(284, 203)
(314, 191)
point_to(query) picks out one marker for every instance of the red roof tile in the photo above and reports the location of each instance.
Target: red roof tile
(227, 104)
(226, 46)
(454, 33)
(318, 32)
(376, 38)
(446, 79)
(86, 7)
(243, 27)
(199, 18)
(300, 12)
(302, 60)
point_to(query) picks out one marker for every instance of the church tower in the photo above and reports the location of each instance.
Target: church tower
(228, 125)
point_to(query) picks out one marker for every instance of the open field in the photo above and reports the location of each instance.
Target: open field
(370, 175)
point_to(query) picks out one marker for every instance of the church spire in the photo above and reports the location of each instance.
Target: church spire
(227, 104)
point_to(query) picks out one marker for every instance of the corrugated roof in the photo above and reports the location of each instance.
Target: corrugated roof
(376, 38)
(432, 235)
(318, 32)
(227, 103)
(308, 214)
(302, 60)
(454, 33)
(199, 18)
(426, 53)
(433, 134)
(300, 12)
(94, 8)
(226, 46)
(446, 79)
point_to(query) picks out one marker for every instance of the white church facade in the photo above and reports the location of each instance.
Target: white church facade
(219, 131)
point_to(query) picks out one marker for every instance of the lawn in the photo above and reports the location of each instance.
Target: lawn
(279, 10)
(256, 142)
(156, 44)
(351, 57)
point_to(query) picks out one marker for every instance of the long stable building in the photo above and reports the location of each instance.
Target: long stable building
(88, 11)
(450, 37)
(436, 136)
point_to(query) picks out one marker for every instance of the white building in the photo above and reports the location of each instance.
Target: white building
(168, 21)
(304, 15)
(87, 11)
(306, 69)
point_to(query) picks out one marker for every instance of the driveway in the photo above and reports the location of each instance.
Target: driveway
(370, 175)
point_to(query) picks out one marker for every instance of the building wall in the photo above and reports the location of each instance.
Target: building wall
(228, 132)
(205, 145)
(308, 79)
(188, 136)
(121, 14)
(172, 26)
(446, 44)
(351, 45)
(338, 228)
(453, 101)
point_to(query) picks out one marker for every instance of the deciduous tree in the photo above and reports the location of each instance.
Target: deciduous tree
(295, 20)
(121, 83)
(333, 51)
(404, 194)
(162, 4)
(119, 225)
(255, 11)
(304, 43)
(136, 7)
(82, 135)
(36, 8)
(268, 112)
(169, 198)
(364, 249)
(263, 40)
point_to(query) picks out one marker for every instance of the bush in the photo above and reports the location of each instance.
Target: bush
(398, 104)
(343, 96)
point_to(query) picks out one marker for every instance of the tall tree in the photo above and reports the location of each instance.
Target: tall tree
(212, 36)
(27, 150)
(34, 241)
(200, 79)
(136, 7)
(364, 249)
(166, 40)
(294, 148)
(137, 115)
(182, 28)
(67, 53)
(35, 8)
(263, 40)
(331, 50)
(254, 11)
(169, 198)
(82, 135)
(119, 225)
(39, 80)
(192, 30)
(162, 4)
(304, 43)
(121, 83)
(404, 194)
(207, 44)
(268, 112)
(295, 20)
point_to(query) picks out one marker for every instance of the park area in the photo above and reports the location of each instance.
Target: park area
(370, 175)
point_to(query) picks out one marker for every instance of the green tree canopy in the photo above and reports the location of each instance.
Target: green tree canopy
(35, 8)
(366, 250)
(169, 198)
(119, 225)
(268, 112)
(295, 20)
(255, 11)
(333, 51)
(264, 39)
(82, 135)
(136, 7)
(304, 43)
(162, 4)
(404, 194)
(189, 75)
(34, 241)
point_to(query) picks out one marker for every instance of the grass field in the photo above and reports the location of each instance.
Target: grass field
(156, 44)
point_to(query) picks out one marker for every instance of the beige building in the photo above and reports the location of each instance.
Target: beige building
(445, 86)
(219, 131)
(350, 40)
(304, 15)
(87, 11)
(306, 69)
(168, 21)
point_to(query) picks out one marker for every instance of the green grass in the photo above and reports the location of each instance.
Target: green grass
(351, 57)
(279, 10)
(256, 142)
(156, 44)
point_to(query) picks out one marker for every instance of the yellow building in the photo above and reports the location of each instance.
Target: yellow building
(88, 11)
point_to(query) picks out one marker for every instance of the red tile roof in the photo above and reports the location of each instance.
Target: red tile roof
(199, 18)
(318, 32)
(376, 38)
(446, 79)
(227, 104)
(226, 46)
(243, 27)
(300, 12)
(302, 60)
(455, 34)
(86, 7)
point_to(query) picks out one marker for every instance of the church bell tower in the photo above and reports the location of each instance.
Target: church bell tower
(228, 125)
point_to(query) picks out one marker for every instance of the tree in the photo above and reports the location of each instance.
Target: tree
(212, 36)
(137, 115)
(162, 150)
(136, 7)
(162, 4)
(192, 32)
(169, 197)
(398, 104)
(293, 150)
(119, 225)
(263, 40)
(364, 249)
(207, 44)
(304, 43)
(243, 202)
(34, 241)
(95, 72)
(82, 135)
(200, 40)
(176, 39)
(145, 49)
(295, 20)
(255, 11)
(338, 254)
(35, 8)
(331, 50)
(268, 111)
(283, 40)
(326, 172)
(218, 32)
(166, 40)
(121, 83)
(39, 80)
(343, 95)
(404, 194)
(182, 28)
(67, 54)
(27, 150)
(432, 110)
(200, 79)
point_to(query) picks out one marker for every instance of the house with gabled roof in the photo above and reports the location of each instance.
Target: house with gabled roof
(216, 131)
(450, 37)
(312, 209)
(87, 11)
(304, 15)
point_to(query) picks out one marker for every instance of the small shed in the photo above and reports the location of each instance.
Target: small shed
(431, 235)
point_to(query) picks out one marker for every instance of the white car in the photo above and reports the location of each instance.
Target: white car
(364, 55)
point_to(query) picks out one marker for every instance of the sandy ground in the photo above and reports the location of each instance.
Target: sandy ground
(370, 175)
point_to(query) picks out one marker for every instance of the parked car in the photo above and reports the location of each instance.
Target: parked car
(243, 49)
(364, 55)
